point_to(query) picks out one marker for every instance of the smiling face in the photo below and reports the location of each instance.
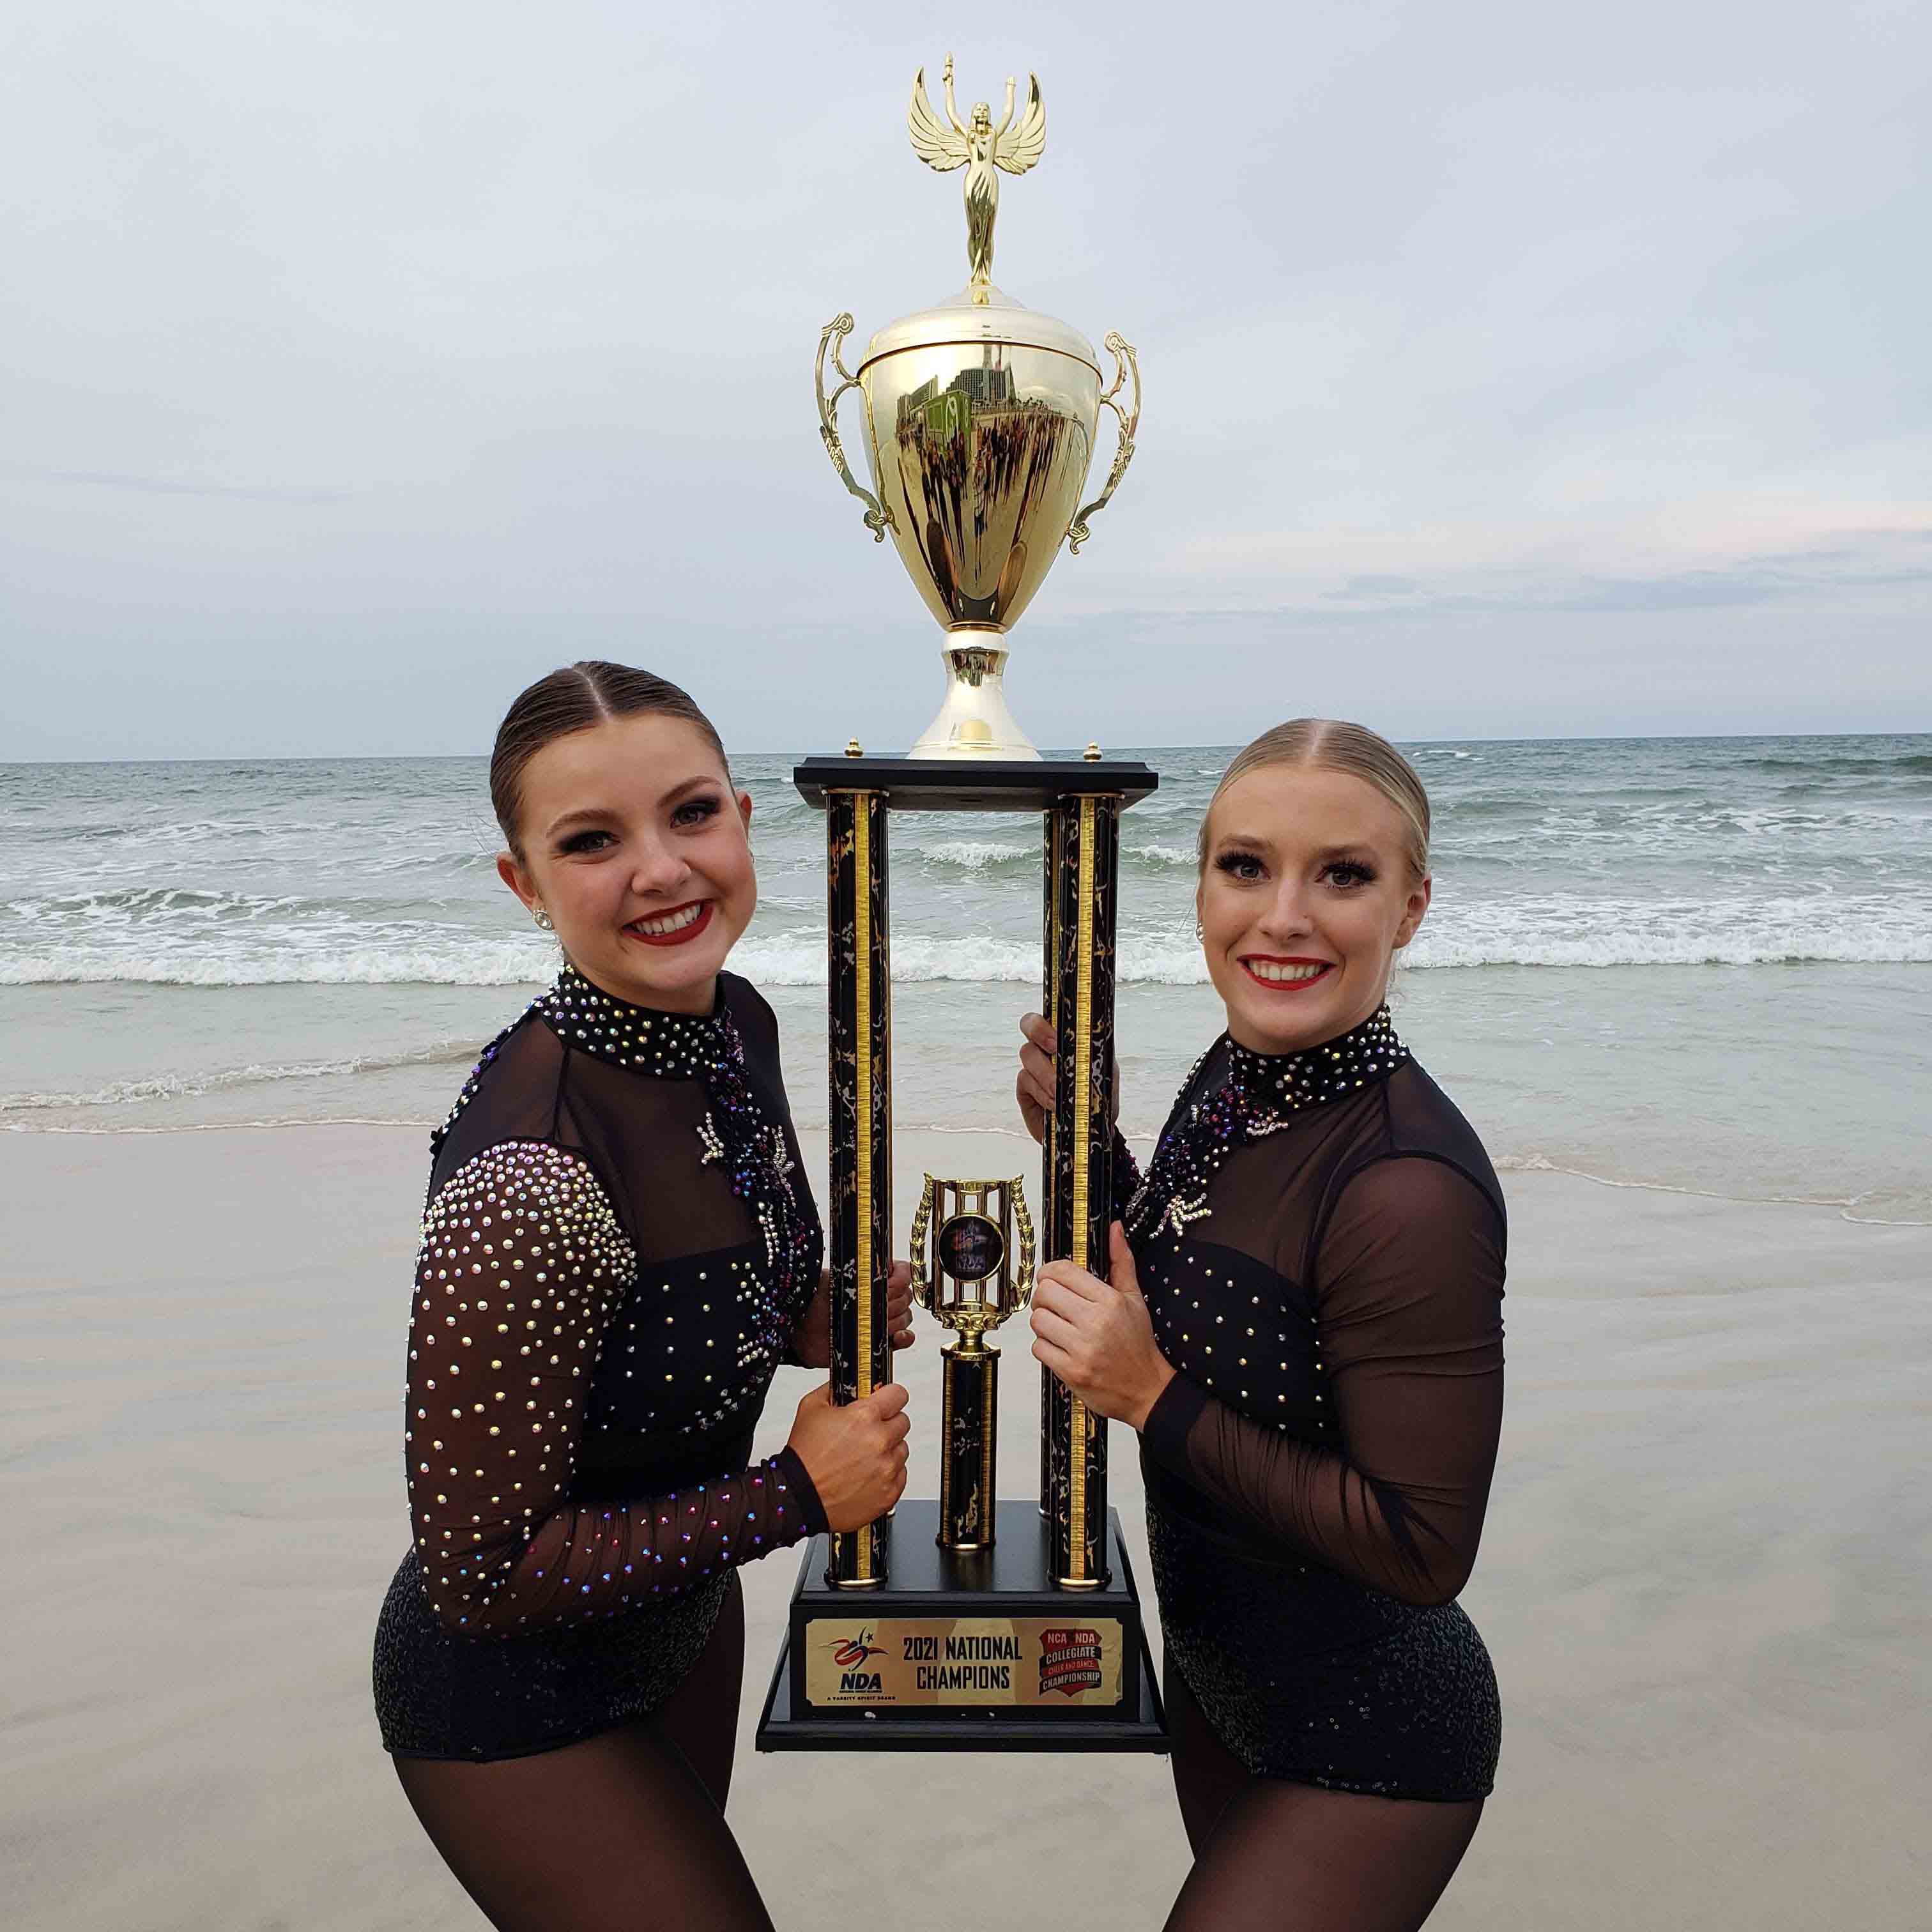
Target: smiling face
(1306, 897)
(633, 842)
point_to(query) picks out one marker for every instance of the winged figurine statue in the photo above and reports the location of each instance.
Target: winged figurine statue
(981, 149)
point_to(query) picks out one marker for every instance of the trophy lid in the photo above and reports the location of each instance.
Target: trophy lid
(971, 318)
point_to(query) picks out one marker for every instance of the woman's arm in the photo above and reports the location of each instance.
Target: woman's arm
(1410, 1328)
(522, 1263)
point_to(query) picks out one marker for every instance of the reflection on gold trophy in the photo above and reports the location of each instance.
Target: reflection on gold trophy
(980, 418)
(972, 1284)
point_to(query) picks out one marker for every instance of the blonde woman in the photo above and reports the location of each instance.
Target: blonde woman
(1303, 1323)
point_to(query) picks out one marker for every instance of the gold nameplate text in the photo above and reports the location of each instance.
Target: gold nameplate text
(1052, 1662)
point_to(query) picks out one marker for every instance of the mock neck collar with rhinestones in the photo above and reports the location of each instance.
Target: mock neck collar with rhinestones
(680, 1046)
(1311, 1075)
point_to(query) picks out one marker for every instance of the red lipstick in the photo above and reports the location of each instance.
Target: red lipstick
(1249, 960)
(682, 935)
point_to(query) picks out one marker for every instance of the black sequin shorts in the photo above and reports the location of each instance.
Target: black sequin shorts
(1305, 1674)
(441, 1695)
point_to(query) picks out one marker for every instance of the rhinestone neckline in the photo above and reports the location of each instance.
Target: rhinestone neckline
(1307, 1076)
(678, 1046)
(1259, 1094)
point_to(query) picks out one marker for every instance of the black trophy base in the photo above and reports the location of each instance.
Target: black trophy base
(978, 1652)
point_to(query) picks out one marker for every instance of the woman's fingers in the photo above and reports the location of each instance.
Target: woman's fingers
(1049, 1355)
(1033, 1087)
(1066, 1278)
(1036, 1075)
(898, 1305)
(1050, 1325)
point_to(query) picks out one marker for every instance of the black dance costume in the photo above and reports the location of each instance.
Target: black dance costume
(1319, 1239)
(619, 1244)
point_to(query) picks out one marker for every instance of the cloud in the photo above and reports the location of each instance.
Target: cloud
(1444, 318)
(160, 486)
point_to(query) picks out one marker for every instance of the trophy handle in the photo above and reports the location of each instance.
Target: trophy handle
(1125, 364)
(832, 336)
(1023, 1221)
(922, 1283)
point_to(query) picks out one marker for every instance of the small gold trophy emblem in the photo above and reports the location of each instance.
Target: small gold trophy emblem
(971, 1280)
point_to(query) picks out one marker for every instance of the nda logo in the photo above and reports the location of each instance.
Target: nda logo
(850, 1654)
(1069, 1660)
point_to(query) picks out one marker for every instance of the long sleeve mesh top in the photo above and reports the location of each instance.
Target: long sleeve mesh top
(1320, 1239)
(618, 1246)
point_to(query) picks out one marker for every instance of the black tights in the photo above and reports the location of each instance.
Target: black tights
(1272, 1856)
(623, 1832)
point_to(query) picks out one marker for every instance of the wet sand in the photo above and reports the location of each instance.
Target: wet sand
(1704, 1580)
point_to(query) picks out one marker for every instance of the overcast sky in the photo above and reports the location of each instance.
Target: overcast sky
(1511, 369)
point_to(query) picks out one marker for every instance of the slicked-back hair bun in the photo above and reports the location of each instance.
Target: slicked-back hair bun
(1332, 745)
(572, 699)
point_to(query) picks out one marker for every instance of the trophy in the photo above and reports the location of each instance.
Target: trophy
(972, 1285)
(980, 416)
(990, 1624)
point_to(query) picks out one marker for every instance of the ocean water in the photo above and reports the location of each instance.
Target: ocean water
(1696, 963)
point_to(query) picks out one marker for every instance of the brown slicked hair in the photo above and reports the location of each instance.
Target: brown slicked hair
(573, 698)
(1332, 745)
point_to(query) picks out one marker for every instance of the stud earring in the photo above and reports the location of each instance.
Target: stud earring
(545, 923)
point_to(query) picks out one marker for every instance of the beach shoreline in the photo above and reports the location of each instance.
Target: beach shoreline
(1704, 1579)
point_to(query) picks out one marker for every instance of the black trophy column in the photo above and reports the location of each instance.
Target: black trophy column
(1085, 835)
(859, 1005)
(1050, 1216)
(969, 1435)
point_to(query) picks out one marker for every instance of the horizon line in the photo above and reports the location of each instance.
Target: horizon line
(1228, 745)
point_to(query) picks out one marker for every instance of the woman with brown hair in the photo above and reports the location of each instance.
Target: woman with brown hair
(1303, 1323)
(619, 1248)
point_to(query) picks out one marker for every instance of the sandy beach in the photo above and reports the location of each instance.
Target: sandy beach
(1705, 1578)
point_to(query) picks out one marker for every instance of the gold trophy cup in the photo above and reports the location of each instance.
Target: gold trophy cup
(971, 1280)
(980, 417)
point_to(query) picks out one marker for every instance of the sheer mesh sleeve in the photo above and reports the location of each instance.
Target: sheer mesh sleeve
(522, 1262)
(1409, 1322)
(1126, 1174)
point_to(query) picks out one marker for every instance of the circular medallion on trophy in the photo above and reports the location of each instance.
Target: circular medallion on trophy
(969, 1247)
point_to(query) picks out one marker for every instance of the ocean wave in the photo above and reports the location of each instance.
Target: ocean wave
(991, 856)
(261, 943)
(482, 962)
(128, 903)
(194, 1086)
(1906, 764)
(973, 855)
(1849, 1206)
(1846, 929)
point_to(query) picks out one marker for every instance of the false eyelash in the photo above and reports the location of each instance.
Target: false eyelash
(1226, 861)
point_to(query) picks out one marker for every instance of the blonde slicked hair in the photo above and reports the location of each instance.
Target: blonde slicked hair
(1332, 745)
